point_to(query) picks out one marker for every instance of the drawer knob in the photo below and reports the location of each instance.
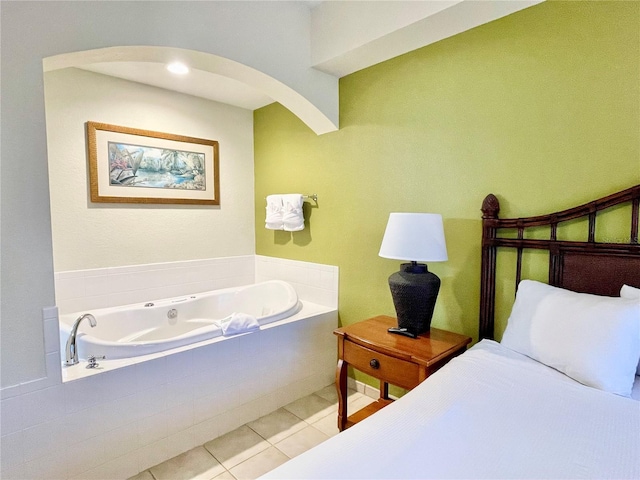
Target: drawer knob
(374, 363)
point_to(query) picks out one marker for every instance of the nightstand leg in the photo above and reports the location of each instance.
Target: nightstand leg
(341, 387)
(384, 390)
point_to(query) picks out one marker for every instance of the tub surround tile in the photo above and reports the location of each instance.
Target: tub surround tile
(151, 429)
(10, 391)
(237, 446)
(51, 330)
(146, 475)
(179, 418)
(314, 282)
(13, 447)
(119, 442)
(179, 364)
(153, 454)
(104, 287)
(196, 464)
(259, 464)
(51, 466)
(210, 406)
(115, 469)
(45, 439)
(301, 441)
(13, 472)
(238, 416)
(69, 285)
(203, 432)
(180, 442)
(180, 391)
(32, 404)
(84, 424)
(12, 419)
(83, 456)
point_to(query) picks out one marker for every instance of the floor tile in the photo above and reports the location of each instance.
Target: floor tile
(311, 408)
(226, 475)
(358, 401)
(234, 447)
(197, 463)
(327, 425)
(329, 393)
(259, 464)
(277, 425)
(146, 475)
(301, 441)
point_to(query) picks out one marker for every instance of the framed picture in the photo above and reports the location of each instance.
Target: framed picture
(128, 165)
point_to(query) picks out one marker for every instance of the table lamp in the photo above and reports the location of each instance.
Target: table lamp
(416, 237)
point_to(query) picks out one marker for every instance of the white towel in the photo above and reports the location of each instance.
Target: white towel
(292, 217)
(275, 208)
(238, 323)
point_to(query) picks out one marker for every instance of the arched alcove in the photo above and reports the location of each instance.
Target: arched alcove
(300, 106)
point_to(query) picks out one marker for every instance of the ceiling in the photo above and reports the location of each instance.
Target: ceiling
(350, 35)
(197, 82)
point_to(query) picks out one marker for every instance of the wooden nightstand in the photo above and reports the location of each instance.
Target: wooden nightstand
(392, 359)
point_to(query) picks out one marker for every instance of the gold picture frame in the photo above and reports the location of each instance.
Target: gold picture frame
(130, 165)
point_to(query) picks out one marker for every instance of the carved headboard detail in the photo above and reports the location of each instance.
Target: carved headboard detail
(583, 266)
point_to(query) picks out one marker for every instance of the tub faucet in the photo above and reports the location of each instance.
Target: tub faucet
(71, 352)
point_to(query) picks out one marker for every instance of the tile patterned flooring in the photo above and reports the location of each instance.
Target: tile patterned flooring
(260, 446)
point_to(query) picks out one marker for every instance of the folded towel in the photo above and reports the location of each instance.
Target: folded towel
(292, 217)
(274, 213)
(238, 323)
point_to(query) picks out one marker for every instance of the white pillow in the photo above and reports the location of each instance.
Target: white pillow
(627, 291)
(592, 339)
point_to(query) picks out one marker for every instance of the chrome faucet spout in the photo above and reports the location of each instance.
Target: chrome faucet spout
(71, 352)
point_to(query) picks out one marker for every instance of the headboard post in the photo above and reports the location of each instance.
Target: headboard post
(490, 209)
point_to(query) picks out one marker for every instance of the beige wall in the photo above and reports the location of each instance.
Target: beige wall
(97, 235)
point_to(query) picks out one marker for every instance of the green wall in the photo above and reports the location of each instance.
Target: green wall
(541, 108)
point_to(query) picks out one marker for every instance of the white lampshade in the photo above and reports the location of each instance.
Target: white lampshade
(416, 237)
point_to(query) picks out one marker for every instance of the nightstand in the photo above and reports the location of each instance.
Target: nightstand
(392, 359)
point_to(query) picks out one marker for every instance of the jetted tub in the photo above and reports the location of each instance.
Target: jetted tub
(140, 329)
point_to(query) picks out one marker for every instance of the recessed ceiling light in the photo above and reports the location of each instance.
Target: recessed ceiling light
(178, 68)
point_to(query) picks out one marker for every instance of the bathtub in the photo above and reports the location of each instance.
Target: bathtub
(156, 326)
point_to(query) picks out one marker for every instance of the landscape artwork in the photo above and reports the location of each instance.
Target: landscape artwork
(140, 166)
(128, 165)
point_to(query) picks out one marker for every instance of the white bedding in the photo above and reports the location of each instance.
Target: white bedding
(490, 413)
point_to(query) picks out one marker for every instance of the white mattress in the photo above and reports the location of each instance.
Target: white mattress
(490, 413)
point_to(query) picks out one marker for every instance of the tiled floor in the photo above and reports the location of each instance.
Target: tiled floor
(260, 446)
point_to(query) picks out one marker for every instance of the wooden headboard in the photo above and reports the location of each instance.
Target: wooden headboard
(583, 266)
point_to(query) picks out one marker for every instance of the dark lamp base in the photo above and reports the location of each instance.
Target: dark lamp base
(414, 290)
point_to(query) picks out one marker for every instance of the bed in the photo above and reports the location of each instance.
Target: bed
(553, 399)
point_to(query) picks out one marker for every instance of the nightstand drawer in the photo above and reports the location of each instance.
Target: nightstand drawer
(388, 369)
